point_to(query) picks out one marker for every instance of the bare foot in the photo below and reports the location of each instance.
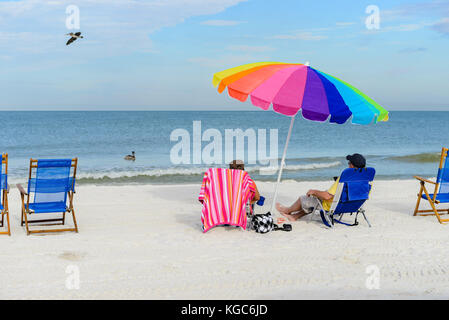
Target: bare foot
(289, 216)
(283, 210)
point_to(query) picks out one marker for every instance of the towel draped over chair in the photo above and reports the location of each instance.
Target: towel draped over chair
(224, 195)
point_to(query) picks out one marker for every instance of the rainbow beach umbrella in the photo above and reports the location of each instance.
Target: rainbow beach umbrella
(291, 88)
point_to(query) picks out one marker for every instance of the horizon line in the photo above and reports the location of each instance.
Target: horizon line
(228, 109)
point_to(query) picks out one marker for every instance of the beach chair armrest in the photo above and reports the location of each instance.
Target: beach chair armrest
(21, 189)
(424, 180)
(319, 205)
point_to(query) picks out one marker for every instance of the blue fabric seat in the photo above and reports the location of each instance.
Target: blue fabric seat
(4, 190)
(3, 184)
(3, 180)
(441, 197)
(50, 186)
(50, 190)
(48, 207)
(353, 191)
(441, 190)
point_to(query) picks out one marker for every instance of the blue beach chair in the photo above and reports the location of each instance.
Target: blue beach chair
(352, 192)
(51, 186)
(441, 191)
(4, 190)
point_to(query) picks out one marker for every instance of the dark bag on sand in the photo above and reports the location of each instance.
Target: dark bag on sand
(262, 223)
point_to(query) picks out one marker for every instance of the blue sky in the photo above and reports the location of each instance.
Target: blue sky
(161, 54)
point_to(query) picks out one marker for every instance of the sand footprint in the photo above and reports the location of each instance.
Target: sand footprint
(72, 256)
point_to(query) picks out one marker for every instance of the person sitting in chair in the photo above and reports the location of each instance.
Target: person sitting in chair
(239, 165)
(307, 203)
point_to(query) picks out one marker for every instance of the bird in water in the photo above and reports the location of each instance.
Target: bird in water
(74, 36)
(131, 156)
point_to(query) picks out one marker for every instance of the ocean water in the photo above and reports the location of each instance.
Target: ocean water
(409, 144)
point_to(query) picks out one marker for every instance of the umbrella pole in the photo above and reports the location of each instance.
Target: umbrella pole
(282, 164)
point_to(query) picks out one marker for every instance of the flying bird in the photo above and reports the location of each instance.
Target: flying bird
(74, 36)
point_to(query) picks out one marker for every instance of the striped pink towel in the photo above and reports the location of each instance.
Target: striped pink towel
(224, 195)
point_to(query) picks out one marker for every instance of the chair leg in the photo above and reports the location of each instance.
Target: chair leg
(419, 199)
(22, 221)
(364, 216)
(327, 218)
(432, 205)
(74, 220)
(24, 218)
(9, 226)
(73, 211)
(26, 224)
(7, 217)
(7, 214)
(1, 223)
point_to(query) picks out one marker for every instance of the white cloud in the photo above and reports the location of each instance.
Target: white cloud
(405, 27)
(111, 26)
(442, 26)
(401, 27)
(405, 11)
(436, 9)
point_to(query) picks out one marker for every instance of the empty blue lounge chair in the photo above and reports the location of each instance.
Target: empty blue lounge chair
(51, 186)
(441, 191)
(4, 190)
(352, 192)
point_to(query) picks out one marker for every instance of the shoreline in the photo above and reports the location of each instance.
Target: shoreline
(111, 182)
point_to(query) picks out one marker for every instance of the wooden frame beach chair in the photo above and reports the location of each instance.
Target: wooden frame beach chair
(4, 189)
(352, 192)
(51, 186)
(440, 193)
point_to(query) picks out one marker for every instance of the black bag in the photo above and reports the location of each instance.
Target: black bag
(262, 223)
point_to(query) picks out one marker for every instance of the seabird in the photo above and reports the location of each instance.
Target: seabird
(74, 36)
(131, 157)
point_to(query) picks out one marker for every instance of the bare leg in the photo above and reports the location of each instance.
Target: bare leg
(287, 211)
(299, 215)
(294, 217)
(296, 206)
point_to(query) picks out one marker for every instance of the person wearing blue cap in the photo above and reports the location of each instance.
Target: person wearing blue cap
(307, 203)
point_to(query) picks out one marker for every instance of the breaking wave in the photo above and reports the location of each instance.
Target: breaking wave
(176, 175)
(420, 157)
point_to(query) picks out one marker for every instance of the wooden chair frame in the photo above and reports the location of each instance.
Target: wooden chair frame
(26, 201)
(5, 211)
(432, 201)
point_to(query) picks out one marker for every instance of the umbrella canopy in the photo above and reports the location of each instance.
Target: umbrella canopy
(293, 87)
(290, 88)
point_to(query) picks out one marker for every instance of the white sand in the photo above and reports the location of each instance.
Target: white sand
(145, 242)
